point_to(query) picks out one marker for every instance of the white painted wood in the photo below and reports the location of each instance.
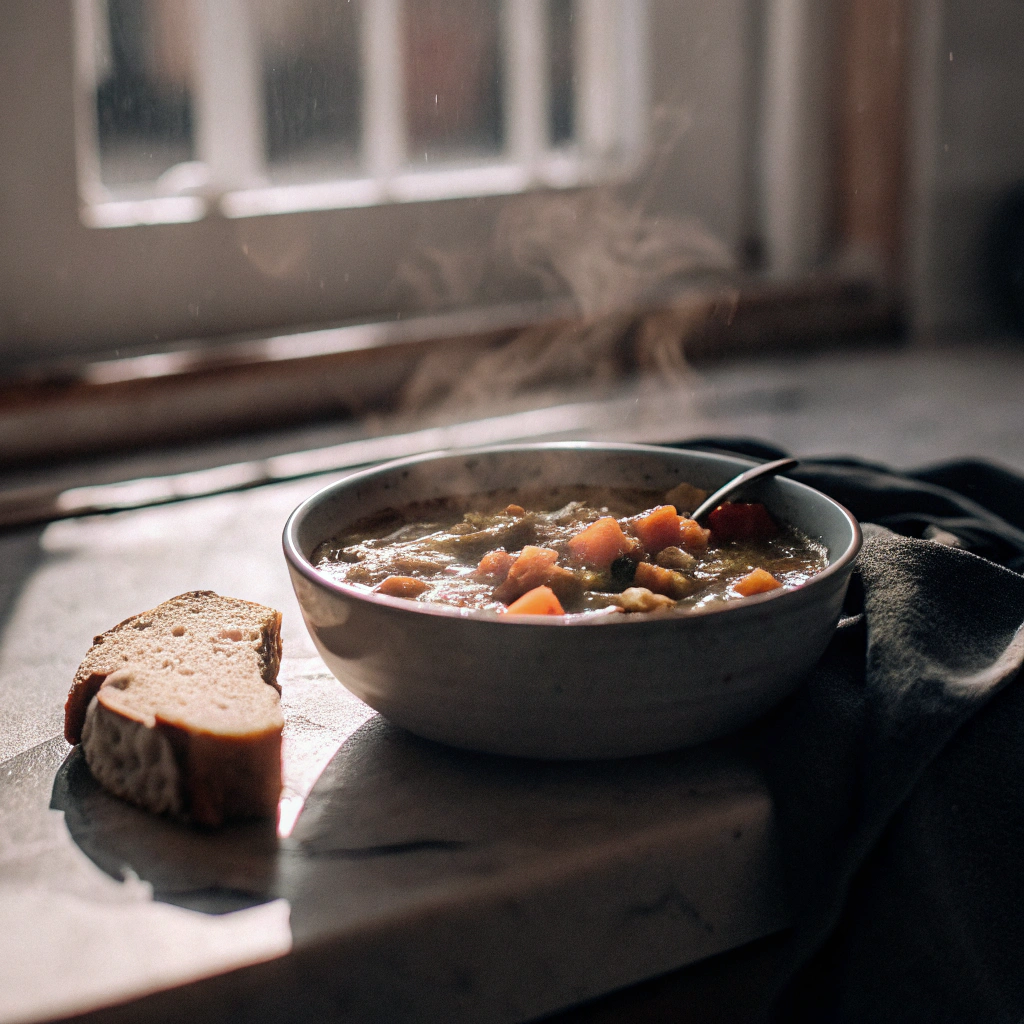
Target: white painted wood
(67, 288)
(92, 59)
(598, 75)
(525, 38)
(383, 121)
(633, 27)
(227, 95)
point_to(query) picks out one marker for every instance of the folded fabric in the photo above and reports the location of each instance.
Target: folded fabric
(897, 769)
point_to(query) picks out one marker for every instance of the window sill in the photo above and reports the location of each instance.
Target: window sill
(556, 170)
(58, 411)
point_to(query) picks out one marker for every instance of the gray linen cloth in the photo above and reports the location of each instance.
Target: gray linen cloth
(897, 769)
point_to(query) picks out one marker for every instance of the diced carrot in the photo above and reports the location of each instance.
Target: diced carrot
(760, 581)
(692, 535)
(600, 543)
(662, 581)
(739, 521)
(539, 601)
(530, 569)
(401, 586)
(657, 529)
(494, 566)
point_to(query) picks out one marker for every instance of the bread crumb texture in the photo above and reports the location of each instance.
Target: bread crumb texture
(178, 708)
(132, 761)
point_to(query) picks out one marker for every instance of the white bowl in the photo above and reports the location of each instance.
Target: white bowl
(578, 687)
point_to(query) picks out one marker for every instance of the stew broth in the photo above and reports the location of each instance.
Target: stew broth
(572, 550)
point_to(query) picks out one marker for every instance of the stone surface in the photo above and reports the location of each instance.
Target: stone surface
(417, 883)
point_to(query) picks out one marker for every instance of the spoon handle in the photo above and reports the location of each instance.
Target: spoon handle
(764, 470)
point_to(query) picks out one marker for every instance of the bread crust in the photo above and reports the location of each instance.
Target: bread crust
(200, 670)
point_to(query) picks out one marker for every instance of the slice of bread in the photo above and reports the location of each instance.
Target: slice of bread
(178, 709)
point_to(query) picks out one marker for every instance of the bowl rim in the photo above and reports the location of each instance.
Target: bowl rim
(300, 563)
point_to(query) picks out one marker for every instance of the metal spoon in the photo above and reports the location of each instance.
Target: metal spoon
(764, 470)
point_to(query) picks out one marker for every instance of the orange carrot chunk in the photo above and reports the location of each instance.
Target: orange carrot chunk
(539, 601)
(693, 536)
(600, 543)
(658, 529)
(760, 581)
(530, 569)
(401, 586)
(494, 566)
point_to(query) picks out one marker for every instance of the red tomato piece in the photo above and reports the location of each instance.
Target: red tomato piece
(739, 521)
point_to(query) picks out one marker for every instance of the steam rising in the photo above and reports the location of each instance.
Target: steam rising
(615, 264)
(606, 255)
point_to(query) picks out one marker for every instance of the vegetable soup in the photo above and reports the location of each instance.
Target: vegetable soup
(589, 550)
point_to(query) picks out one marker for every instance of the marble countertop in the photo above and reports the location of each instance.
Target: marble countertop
(405, 881)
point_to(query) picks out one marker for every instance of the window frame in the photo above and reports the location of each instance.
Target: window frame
(610, 103)
(67, 289)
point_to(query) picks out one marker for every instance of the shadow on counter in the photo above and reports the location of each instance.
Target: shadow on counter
(390, 813)
(210, 870)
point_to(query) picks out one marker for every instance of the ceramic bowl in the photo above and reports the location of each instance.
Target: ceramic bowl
(576, 687)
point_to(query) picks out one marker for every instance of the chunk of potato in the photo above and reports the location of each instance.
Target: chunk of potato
(640, 599)
(663, 581)
(685, 497)
(675, 558)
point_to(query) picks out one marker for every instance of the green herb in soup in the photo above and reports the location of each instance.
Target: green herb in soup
(564, 551)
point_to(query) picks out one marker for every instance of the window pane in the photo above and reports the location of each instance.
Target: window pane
(143, 102)
(453, 78)
(311, 80)
(561, 70)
